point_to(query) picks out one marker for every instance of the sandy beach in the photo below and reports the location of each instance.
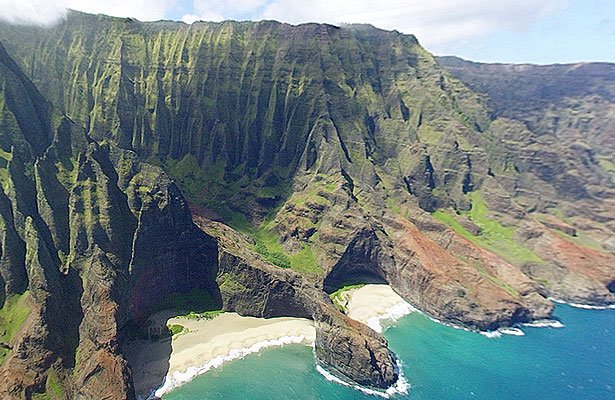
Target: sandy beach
(375, 304)
(158, 366)
(206, 344)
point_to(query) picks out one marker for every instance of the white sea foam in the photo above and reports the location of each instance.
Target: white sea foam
(458, 327)
(178, 378)
(391, 315)
(512, 331)
(491, 334)
(583, 306)
(401, 386)
(378, 323)
(589, 307)
(544, 323)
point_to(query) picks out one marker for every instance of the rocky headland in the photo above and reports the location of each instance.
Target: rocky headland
(258, 167)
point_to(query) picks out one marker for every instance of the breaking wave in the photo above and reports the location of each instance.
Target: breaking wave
(401, 386)
(178, 378)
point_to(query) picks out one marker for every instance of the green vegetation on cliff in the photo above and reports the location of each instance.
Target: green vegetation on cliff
(498, 282)
(267, 244)
(203, 315)
(301, 137)
(175, 329)
(5, 157)
(12, 316)
(493, 235)
(269, 247)
(228, 283)
(340, 296)
(53, 388)
(304, 261)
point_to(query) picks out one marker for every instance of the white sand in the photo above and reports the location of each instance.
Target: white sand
(375, 304)
(207, 344)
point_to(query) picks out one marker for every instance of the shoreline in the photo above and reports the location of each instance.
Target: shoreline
(379, 307)
(376, 306)
(204, 344)
(400, 387)
(582, 306)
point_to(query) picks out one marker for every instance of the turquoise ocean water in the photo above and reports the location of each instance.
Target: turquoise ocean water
(576, 362)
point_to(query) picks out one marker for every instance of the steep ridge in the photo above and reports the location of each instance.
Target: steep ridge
(573, 106)
(73, 251)
(94, 241)
(342, 154)
(574, 103)
(387, 131)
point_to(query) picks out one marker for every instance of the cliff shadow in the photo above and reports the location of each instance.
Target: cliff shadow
(147, 342)
(69, 327)
(169, 280)
(358, 265)
(147, 351)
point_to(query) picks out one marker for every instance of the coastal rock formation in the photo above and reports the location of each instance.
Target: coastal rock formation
(105, 241)
(259, 167)
(571, 110)
(91, 239)
(251, 286)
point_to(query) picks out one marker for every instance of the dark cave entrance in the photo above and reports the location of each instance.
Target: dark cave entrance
(360, 264)
(360, 277)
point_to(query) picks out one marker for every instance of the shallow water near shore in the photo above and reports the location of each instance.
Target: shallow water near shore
(440, 362)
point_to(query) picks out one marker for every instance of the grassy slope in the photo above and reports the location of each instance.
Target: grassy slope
(12, 316)
(494, 236)
(53, 388)
(340, 298)
(205, 188)
(269, 246)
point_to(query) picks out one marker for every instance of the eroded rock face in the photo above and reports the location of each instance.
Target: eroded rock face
(450, 283)
(346, 125)
(354, 351)
(80, 299)
(95, 239)
(571, 111)
(92, 239)
(251, 286)
(356, 155)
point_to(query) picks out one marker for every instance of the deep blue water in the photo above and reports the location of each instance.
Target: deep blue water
(576, 362)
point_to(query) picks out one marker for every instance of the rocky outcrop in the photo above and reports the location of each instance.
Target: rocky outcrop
(100, 240)
(347, 154)
(251, 286)
(92, 240)
(455, 289)
(564, 137)
(570, 109)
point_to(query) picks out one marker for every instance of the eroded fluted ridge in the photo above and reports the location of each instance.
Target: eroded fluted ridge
(347, 154)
